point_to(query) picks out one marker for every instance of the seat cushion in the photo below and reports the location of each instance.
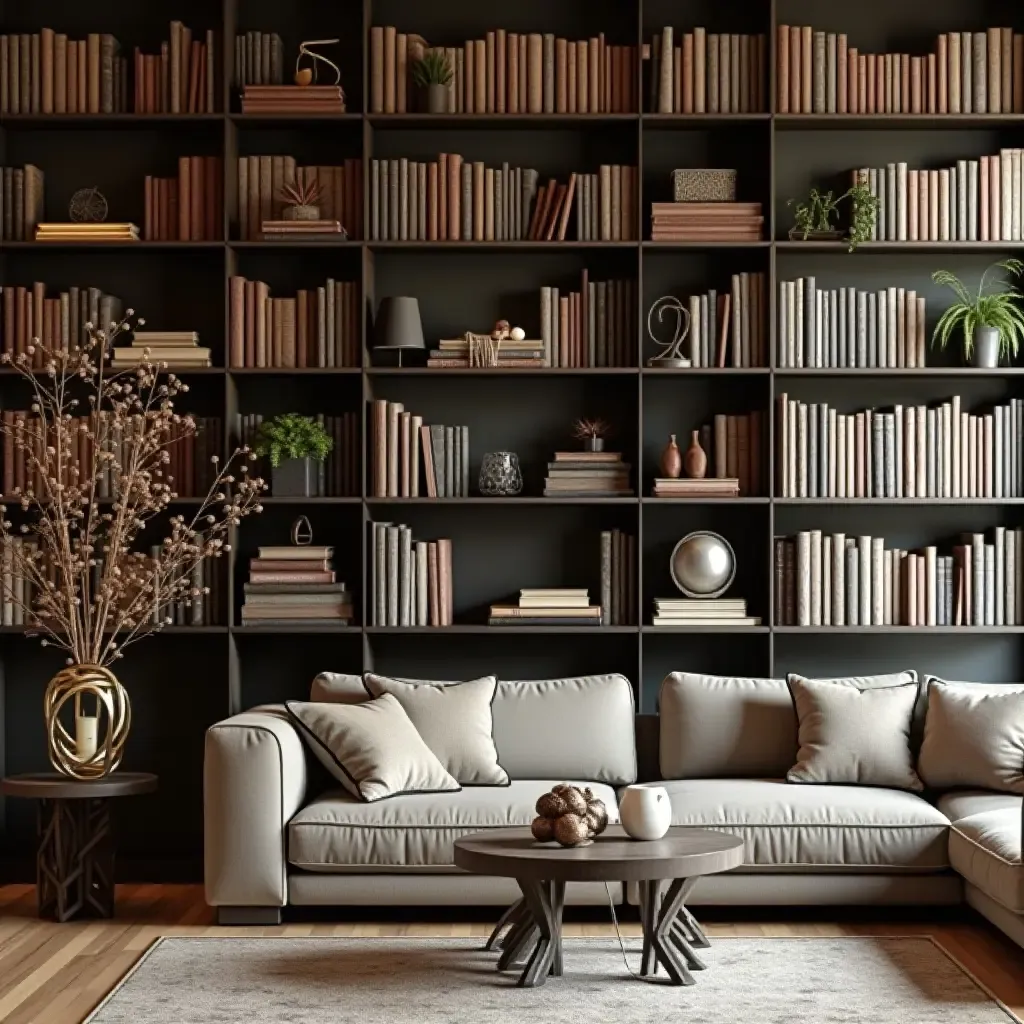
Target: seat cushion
(410, 833)
(985, 849)
(965, 803)
(844, 828)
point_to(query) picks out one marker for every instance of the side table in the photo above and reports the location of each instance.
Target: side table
(75, 847)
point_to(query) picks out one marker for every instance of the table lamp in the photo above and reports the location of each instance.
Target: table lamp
(398, 327)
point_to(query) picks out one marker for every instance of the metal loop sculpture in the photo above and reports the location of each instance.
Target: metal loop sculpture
(74, 683)
(670, 355)
(307, 76)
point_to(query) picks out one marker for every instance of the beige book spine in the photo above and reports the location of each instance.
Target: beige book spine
(994, 72)
(500, 71)
(782, 58)
(931, 88)
(687, 74)
(489, 234)
(953, 78)
(700, 58)
(594, 75)
(454, 197)
(561, 76)
(489, 47)
(666, 74)
(512, 72)
(401, 71)
(376, 70)
(390, 63)
(942, 74)
(535, 74)
(795, 71)
(478, 201)
(480, 76)
(469, 77)
(1006, 70)
(571, 67)
(582, 79)
(1018, 73)
(842, 74)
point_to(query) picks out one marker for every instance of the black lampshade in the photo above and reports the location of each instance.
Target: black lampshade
(398, 324)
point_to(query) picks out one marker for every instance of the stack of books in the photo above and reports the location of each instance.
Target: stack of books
(92, 232)
(706, 222)
(685, 611)
(587, 475)
(175, 348)
(295, 586)
(460, 353)
(548, 607)
(710, 487)
(293, 99)
(289, 230)
(410, 580)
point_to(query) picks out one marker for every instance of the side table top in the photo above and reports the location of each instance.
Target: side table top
(611, 857)
(54, 786)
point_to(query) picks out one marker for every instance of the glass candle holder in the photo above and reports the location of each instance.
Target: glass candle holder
(500, 476)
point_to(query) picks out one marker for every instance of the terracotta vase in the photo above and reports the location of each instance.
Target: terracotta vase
(671, 460)
(695, 462)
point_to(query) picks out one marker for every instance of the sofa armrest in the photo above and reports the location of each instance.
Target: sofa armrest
(254, 780)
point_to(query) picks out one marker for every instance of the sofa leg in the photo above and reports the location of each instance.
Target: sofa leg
(248, 915)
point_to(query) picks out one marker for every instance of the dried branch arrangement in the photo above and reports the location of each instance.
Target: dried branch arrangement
(71, 565)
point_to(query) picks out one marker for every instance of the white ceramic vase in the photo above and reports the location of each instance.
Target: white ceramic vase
(645, 812)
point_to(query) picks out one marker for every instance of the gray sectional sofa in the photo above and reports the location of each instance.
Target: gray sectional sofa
(278, 832)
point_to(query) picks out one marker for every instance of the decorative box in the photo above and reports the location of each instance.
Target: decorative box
(704, 185)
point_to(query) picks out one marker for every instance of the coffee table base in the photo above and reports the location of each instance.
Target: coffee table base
(529, 932)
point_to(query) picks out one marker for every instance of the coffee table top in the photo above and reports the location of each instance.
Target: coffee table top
(611, 857)
(55, 786)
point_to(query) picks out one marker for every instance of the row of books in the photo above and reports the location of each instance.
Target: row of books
(973, 201)
(508, 72)
(295, 585)
(58, 321)
(259, 59)
(260, 198)
(912, 452)
(21, 202)
(189, 470)
(706, 222)
(318, 327)
(189, 207)
(729, 329)
(47, 73)
(702, 612)
(733, 445)
(338, 476)
(399, 437)
(410, 580)
(202, 607)
(180, 79)
(844, 327)
(588, 475)
(452, 199)
(618, 578)
(594, 326)
(548, 606)
(966, 73)
(177, 349)
(836, 580)
(709, 73)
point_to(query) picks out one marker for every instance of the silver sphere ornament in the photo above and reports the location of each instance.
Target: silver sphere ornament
(703, 565)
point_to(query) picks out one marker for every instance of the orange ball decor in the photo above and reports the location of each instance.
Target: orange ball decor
(74, 684)
(569, 816)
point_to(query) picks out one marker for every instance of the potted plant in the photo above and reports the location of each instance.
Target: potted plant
(592, 433)
(301, 199)
(98, 491)
(292, 443)
(432, 73)
(817, 218)
(991, 322)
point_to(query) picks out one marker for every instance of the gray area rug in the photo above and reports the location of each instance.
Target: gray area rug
(437, 981)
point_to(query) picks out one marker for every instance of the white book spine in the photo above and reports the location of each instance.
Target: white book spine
(977, 580)
(877, 581)
(999, 587)
(901, 202)
(816, 577)
(864, 579)
(839, 579)
(803, 578)
(954, 445)
(930, 598)
(782, 354)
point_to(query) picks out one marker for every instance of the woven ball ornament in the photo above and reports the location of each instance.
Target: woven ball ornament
(569, 816)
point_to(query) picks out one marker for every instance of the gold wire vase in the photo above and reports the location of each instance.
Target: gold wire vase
(77, 683)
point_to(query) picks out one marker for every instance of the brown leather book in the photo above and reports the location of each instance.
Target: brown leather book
(500, 71)
(433, 202)
(454, 196)
(686, 75)
(700, 57)
(1018, 73)
(185, 186)
(582, 78)
(250, 324)
(147, 221)
(195, 205)
(478, 200)
(535, 73)
(614, 70)
(186, 69)
(570, 73)
(72, 77)
(905, 84)
(512, 73)
(442, 192)
(377, 70)
(554, 213)
(566, 208)
(92, 48)
(195, 63)
(806, 75)
(941, 73)
(931, 85)
(480, 76)
(490, 106)
(795, 71)
(46, 70)
(401, 71)
(390, 60)
(236, 320)
(563, 330)
(915, 85)
(302, 328)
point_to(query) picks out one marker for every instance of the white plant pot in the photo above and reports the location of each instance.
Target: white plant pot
(986, 348)
(645, 812)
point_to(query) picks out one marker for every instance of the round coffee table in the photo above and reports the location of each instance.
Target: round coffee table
(542, 869)
(75, 851)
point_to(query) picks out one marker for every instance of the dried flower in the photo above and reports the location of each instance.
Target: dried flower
(589, 429)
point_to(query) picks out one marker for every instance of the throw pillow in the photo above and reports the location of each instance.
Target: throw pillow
(455, 722)
(372, 749)
(853, 735)
(974, 736)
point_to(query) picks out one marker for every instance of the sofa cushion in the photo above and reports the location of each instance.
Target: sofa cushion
(338, 688)
(410, 833)
(725, 726)
(372, 749)
(575, 728)
(454, 720)
(985, 849)
(845, 828)
(854, 735)
(965, 803)
(973, 736)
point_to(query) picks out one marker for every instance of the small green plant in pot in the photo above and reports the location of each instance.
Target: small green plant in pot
(817, 218)
(293, 443)
(432, 73)
(990, 321)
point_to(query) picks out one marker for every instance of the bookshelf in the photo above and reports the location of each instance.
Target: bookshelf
(188, 677)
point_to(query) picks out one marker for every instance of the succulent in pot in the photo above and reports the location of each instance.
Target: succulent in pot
(432, 73)
(293, 443)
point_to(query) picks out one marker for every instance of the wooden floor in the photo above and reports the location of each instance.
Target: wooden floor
(55, 974)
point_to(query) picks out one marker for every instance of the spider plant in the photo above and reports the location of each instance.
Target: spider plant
(433, 68)
(987, 307)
